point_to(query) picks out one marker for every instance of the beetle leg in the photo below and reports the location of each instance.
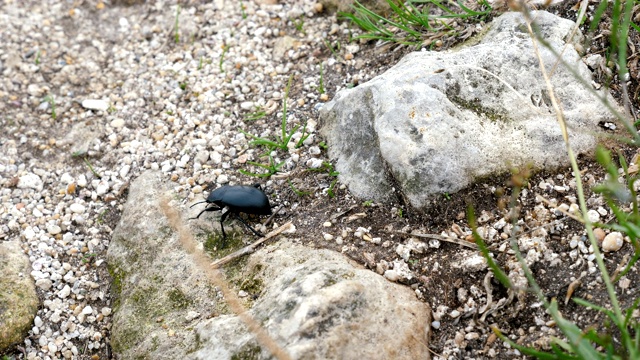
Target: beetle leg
(210, 208)
(222, 218)
(247, 225)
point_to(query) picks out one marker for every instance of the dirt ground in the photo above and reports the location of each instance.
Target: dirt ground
(441, 277)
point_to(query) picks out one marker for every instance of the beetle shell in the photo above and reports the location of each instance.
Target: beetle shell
(246, 199)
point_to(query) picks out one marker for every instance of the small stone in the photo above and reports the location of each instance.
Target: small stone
(98, 105)
(392, 275)
(435, 325)
(327, 224)
(64, 293)
(327, 237)
(472, 336)
(612, 242)
(574, 209)
(53, 229)
(599, 234)
(117, 123)
(30, 181)
(324, 97)
(454, 314)
(77, 208)
(593, 215)
(222, 179)
(44, 284)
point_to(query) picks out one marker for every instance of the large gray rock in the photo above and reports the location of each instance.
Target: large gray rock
(159, 291)
(438, 121)
(316, 304)
(18, 298)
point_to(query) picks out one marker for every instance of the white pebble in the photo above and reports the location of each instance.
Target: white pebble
(53, 229)
(593, 215)
(98, 105)
(392, 275)
(327, 237)
(87, 310)
(612, 242)
(66, 290)
(77, 208)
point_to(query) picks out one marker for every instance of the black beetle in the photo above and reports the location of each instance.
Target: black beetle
(237, 199)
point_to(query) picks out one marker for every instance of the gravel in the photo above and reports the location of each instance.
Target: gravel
(93, 94)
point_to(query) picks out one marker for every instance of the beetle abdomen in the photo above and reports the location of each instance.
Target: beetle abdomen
(246, 199)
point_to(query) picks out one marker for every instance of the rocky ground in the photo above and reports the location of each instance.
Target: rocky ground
(178, 87)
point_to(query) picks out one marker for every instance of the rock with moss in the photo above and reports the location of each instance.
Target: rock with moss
(438, 121)
(315, 304)
(18, 298)
(159, 293)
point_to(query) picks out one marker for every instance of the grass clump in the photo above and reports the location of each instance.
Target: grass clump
(415, 22)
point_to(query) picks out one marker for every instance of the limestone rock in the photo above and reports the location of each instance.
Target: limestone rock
(438, 121)
(317, 304)
(18, 298)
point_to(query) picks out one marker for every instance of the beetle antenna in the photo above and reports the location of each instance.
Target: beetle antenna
(199, 202)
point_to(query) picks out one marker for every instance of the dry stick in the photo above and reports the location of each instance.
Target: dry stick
(202, 261)
(581, 13)
(576, 218)
(249, 248)
(442, 238)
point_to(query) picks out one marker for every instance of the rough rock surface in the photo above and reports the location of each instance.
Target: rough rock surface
(18, 299)
(317, 304)
(437, 121)
(158, 289)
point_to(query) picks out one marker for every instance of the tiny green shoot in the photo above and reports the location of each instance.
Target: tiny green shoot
(321, 86)
(296, 191)
(84, 158)
(272, 168)
(304, 136)
(299, 24)
(367, 203)
(37, 59)
(52, 102)
(256, 115)
(176, 35)
(242, 8)
(225, 48)
(282, 141)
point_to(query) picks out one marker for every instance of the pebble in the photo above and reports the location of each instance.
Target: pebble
(593, 215)
(98, 105)
(64, 292)
(599, 234)
(612, 242)
(77, 208)
(392, 275)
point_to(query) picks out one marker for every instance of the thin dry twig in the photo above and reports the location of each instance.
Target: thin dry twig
(202, 261)
(250, 248)
(580, 220)
(442, 238)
